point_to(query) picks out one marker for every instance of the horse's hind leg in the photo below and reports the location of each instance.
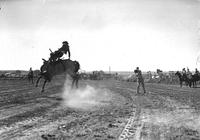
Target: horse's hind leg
(76, 83)
(73, 81)
(38, 81)
(77, 79)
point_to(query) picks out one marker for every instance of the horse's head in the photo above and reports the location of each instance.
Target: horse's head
(178, 74)
(44, 67)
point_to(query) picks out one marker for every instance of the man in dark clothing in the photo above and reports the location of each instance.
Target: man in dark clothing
(184, 71)
(140, 80)
(189, 74)
(30, 75)
(196, 71)
(30, 71)
(54, 56)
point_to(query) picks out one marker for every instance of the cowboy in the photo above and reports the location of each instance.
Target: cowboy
(140, 80)
(189, 74)
(183, 71)
(196, 71)
(30, 75)
(30, 71)
(54, 56)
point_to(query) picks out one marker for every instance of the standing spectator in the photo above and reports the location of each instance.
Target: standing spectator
(30, 75)
(140, 80)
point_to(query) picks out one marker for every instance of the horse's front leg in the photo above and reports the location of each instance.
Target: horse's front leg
(38, 81)
(44, 85)
(181, 83)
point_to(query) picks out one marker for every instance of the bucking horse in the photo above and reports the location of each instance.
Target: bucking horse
(49, 69)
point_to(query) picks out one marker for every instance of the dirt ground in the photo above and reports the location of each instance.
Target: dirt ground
(98, 110)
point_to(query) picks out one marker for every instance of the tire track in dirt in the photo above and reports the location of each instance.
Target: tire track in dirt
(185, 95)
(52, 119)
(35, 117)
(156, 121)
(133, 127)
(14, 110)
(7, 86)
(167, 104)
(23, 107)
(172, 89)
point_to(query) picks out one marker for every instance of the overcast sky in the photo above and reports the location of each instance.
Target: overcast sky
(122, 34)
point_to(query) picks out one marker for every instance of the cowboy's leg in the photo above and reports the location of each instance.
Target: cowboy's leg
(44, 85)
(143, 86)
(138, 86)
(32, 80)
(38, 81)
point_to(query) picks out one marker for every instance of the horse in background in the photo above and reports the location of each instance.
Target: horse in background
(183, 78)
(195, 78)
(49, 69)
(190, 80)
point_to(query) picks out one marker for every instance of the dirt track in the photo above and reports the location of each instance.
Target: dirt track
(166, 112)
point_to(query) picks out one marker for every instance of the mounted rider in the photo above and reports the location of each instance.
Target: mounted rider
(189, 74)
(196, 71)
(183, 71)
(55, 56)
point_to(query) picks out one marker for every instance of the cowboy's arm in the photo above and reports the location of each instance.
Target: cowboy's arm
(69, 53)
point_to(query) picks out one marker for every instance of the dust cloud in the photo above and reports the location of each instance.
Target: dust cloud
(87, 97)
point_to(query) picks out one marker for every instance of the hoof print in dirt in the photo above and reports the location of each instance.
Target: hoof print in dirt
(97, 135)
(119, 121)
(81, 134)
(67, 126)
(62, 127)
(112, 125)
(27, 126)
(110, 137)
(48, 137)
(190, 132)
